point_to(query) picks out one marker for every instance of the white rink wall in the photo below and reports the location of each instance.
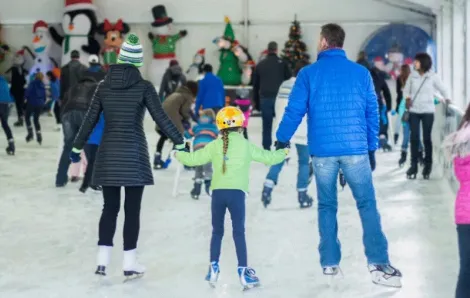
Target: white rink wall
(269, 20)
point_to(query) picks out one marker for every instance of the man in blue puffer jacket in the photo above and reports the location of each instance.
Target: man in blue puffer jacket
(339, 99)
(91, 148)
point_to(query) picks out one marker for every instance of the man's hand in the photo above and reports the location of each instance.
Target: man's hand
(372, 160)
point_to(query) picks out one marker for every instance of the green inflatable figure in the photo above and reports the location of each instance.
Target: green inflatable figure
(229, 70)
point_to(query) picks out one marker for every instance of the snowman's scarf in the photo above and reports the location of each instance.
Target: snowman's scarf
(67, 41)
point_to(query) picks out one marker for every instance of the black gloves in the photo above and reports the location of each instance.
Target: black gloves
(281, 145)
(372, 160)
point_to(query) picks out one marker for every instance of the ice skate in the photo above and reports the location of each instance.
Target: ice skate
(395, 138)
(412, 171)
(196, 191)
(18, 123)
(102, 259)
(207, 186)
(248, 278)
(402, 160)
(39, 137)
(74, 179)
(383, 143)
(342, 180)
(332, 273)
(29, 136)
(385, 275)
(157, 161)
(305, 200)
(266, 194)
(427, 170)
(213, 274)
(11, 147)
(96, 188)
(131, 268)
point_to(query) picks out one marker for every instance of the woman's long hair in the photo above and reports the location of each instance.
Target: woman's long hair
(404, 74)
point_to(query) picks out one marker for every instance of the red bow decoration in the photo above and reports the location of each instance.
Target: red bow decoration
(113, 27)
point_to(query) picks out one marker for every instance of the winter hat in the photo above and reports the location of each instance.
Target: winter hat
(173, 62)
(71, 5)
(131, 51)
(40, 26)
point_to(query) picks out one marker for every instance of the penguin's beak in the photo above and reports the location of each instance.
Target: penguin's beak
(71, 27)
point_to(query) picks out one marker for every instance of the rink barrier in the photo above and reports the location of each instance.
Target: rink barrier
(447, 119)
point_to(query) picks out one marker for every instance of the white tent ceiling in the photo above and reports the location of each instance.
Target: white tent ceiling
(434, 5)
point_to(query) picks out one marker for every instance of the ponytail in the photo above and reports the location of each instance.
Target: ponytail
(225, 133)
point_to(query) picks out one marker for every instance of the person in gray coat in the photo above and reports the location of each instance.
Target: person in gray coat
(172, 80)
(123, 156)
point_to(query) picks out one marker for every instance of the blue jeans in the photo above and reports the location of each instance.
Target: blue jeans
(71, 122)
(234, 201)
(406, 138)
(304, 168)
(267, 116)
(358, 174)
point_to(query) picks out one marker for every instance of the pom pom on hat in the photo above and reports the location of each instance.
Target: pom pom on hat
(131, 51)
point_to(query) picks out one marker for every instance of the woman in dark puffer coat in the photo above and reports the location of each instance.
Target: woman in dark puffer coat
(123, 159)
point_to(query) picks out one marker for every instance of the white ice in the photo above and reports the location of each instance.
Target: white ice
(48, 236)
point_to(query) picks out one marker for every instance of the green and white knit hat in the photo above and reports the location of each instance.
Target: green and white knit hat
(131, 51)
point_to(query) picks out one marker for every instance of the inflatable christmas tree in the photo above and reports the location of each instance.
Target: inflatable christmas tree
(295, 49)
(229, 70)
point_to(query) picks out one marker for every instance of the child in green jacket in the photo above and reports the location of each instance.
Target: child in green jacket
(230, 156)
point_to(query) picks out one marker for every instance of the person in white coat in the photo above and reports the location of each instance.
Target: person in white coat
(305, 172)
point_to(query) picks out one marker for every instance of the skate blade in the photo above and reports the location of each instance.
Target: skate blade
(133, 277)
(396, 284)
(250, 287)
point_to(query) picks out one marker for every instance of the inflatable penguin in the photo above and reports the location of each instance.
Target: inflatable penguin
(79, 25)
(194, 72)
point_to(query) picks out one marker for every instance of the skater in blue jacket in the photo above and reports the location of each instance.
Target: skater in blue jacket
(35, 100)
(5, 100)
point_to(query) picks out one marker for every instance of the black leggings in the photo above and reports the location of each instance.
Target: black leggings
(112, 204)
(57, 112)
(35, 112)
(463, 283)
(161, 143)
(427, 119)
(4, 110)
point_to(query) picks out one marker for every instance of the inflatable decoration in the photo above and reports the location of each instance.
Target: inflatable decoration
(4, 48)
(163, 44)
(391, 44)
(79, 25)
(41, 46)
(194, 71)
(113, 39)
(247, 72)
(229, 69)
(263, 55)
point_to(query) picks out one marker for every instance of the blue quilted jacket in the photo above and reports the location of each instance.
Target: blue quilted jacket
(339, 99)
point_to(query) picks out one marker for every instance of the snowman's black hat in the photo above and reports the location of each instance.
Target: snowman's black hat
(160, 16)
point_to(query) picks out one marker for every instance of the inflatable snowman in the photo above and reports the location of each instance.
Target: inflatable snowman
(79, 25)
(195, 70)
(163, 44)
(41, 46)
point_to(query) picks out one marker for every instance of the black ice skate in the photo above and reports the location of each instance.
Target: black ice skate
(39, 137)
(384, 145)
(427, 170)
(157, 161)
(196, 191)
(100, 270)
(11, 147)
(305, 200)
(266, 195)
(385, 275)
(29, 136)
(402, 160)
(18, 123)
(207, 186)
(395, 138)
(412, 171)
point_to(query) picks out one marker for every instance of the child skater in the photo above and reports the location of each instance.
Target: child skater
(35, 101)
(5, 100)
(231, 156)
(91, 148)
(204, 132)
(457, 147)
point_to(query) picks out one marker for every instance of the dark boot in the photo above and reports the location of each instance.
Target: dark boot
(305, 200)
(266, 194)
(427, 170)
(11, 147)
(39, 137)
(196, 191)
(207, 186)
(395, 138)
(157, 161)
(18, 123)
(30, 135)
(412, 171)
(421, 158)
(402, 160)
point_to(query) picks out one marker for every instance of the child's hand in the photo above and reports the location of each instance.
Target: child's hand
(182, 147)
(75, 155)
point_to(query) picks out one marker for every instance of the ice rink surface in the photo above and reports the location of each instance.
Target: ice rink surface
(48, 236)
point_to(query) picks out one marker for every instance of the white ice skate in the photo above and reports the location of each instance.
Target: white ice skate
(131, 268)
(102, 259)
(385, 275)
(213, 274)
(332, 273)
(248, 278)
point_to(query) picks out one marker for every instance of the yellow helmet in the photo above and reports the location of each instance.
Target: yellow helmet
(229, 117)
